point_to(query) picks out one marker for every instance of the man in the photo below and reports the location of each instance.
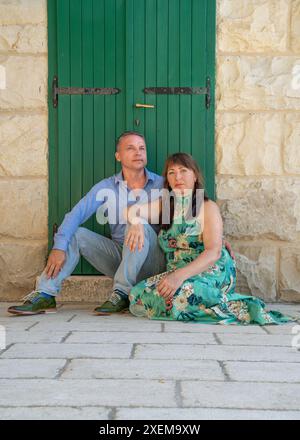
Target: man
(108, 256)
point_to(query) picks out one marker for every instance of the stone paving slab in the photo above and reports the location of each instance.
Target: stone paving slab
(139, 337)
(293, 309)
(241, 395)
(13, 319)
(143, 369)
(99, 413)
(177, 327)
(99, 392)
(217, 352)
(263, 371)
(62, 351)
(55, 413)
(28, 337)
(250, 339)
(99, 326)
(75, 365)
(19, 325)
(59, 315)
(30, 368)
(83, 306)
(88, 316)
(80, 307)
(282, 329)
(202, 414)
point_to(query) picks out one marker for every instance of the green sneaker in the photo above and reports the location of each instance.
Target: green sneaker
(116, 303)
(34, 304)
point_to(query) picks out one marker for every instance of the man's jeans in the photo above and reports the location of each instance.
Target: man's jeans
(110, 258)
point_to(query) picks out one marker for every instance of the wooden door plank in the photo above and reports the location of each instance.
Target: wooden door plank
(198, 80)
(129, 64)
(150, 80)
(120, 70)
(162, 79)
(185, 32)
(99, 109)
(87, 111)
(173, 77)
(64, 110)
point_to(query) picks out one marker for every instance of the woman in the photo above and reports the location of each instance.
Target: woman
(201, 275)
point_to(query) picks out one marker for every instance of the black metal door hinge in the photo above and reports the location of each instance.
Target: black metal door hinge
(79, 91)
(183, 91)
(54, 229)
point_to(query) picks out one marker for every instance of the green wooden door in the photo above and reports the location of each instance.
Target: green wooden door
(130, 45)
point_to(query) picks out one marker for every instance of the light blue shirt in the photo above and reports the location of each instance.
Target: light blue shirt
(93, 200)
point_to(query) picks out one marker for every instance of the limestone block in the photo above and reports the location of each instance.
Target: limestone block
(26, 82)
(256, 270)
(289, 276)
(252, 26)
(86, 288)
(20, 39)
(291, 144)
(249, 143)
(24, 209)
(23, 11)
(20, 263)
(23, 145)
(257, 83)
(295, 26)
(256, 208)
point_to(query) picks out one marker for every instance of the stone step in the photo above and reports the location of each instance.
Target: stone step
(85, 288)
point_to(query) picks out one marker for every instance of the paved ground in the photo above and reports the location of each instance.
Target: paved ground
(73, 365)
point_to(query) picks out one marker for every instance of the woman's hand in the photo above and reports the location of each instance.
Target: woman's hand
(228, 247)
(135, 237)
(168, 286)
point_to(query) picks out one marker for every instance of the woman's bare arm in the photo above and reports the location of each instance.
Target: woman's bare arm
(212, 239)
(149, 212)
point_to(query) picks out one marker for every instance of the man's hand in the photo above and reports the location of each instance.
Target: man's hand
(55, 262)
(135, 237)
(228, 247)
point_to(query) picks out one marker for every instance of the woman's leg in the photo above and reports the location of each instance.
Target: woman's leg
(145, 300)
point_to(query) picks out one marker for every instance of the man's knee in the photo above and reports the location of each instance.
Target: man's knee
(81, 236)
(149, 230)
(150, 237)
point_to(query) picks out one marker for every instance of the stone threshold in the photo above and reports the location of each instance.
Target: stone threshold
(86, 288)
(94, 289)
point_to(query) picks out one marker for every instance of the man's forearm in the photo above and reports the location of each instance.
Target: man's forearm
(81, 212)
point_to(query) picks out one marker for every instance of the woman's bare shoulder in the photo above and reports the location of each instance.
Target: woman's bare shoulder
(210, 208)
(210, 204)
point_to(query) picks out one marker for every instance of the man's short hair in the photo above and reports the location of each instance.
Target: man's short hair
(128, 133)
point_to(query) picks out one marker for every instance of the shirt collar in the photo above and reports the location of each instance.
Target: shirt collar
(149, 176)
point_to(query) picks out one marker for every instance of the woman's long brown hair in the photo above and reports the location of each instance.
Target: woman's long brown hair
(187, 161)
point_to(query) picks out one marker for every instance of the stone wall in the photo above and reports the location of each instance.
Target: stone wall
(257, 132)
(258, 140)
(23, 144)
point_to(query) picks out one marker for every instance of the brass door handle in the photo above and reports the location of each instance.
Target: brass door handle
(144, 106)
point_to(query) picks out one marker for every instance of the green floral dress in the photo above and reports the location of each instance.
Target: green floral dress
(208, 297)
